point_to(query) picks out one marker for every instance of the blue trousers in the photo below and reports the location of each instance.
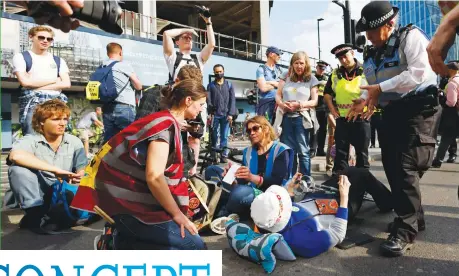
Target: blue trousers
(235, 198)
(296, 137)
(222, 123)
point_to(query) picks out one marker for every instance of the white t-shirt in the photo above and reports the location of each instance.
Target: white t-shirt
(170, 61)
(43, 68)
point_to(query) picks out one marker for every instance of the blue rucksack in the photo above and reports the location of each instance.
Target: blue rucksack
(101, 86)
(60, 210)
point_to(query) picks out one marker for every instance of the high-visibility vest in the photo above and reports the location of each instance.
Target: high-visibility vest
(116, 181)
(250, 160)
(346, 91)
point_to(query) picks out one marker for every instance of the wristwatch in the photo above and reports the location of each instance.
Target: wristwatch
(208, 23)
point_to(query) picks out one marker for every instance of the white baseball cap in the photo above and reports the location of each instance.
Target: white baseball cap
(272, 210)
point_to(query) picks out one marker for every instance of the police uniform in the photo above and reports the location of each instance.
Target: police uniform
(344, 87)
(375, 123)
(411, 113)
(317, 140)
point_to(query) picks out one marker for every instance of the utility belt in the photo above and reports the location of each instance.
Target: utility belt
(425, 102)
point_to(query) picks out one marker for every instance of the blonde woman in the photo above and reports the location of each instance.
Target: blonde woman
(296, 97)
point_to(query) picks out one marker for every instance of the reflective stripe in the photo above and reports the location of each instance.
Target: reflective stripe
(248, 155)
(111, 160)
(346, 91)
(174, 182)
(147, 127)
(143, 198)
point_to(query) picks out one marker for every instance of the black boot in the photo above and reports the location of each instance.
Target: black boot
(451, 159)
(394, 246)
(436, 163)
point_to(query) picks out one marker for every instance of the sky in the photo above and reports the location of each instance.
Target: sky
(293, 26)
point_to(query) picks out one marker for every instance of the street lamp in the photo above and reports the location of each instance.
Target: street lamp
(318, 33)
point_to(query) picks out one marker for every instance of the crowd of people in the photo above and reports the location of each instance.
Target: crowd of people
(139, 176)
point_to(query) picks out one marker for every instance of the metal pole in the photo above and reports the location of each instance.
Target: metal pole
(347, 23)
(318, 33)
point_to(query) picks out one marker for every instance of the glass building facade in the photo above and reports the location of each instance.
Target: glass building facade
(426, 15)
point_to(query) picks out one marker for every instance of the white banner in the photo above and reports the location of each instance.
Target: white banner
(111, 263)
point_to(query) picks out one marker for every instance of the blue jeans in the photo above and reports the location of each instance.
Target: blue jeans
(161, 236)
(116, 118)
(296, 137)
(28, 186)
(235, 198)
(222, 123)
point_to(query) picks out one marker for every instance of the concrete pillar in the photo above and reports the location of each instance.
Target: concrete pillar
(264, 26)
(148, 26)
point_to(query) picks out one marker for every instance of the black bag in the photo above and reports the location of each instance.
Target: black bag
(150, 101)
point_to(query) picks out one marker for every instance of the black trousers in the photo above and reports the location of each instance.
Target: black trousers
(362, 181)
(408, 139)
(317, 141)
(376, 123)
(450, 123)
(351, 133)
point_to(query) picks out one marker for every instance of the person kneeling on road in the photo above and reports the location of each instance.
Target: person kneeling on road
(37, 160)
(138, 177)
(266, 162)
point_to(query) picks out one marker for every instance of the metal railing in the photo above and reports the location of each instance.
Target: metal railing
(141, 25)
(82, 61)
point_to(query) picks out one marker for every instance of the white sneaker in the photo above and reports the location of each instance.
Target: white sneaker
(96, 241)
(218, 226)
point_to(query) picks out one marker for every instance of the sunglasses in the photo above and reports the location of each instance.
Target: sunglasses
(41, 38)
(186, 38)
(254, 129)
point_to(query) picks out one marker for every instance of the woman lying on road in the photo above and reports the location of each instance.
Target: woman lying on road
(318, 221)
(139, 175)
(266, 162)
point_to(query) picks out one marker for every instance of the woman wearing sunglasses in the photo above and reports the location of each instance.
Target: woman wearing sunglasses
(266, 162)
(296, 98)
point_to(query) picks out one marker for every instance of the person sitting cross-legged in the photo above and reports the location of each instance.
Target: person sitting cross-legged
(265, 163)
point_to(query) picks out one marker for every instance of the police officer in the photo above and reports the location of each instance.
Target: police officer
(396, 64)
(318, 139)
(344, 86)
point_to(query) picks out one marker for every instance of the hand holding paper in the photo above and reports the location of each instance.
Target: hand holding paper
(230, 175)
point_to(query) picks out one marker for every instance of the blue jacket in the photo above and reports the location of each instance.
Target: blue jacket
(309, 235)
(222, 99)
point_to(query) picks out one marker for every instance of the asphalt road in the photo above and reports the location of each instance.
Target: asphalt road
(436, 251)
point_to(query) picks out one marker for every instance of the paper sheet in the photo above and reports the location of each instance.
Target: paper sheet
(230, 174)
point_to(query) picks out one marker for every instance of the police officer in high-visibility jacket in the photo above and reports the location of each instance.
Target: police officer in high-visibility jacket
(317, 140)
(344, 86)
(403, 84)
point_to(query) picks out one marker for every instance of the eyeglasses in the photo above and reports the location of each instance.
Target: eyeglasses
(254, 129)
(41, 38)
(186, 38)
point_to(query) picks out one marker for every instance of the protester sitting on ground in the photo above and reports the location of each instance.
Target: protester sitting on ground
(37, 160)
(319, 221)
(266, 162)
(84, 127)
(139, 177)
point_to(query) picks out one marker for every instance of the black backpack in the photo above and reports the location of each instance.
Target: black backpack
(179, 59)
(150, 101)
